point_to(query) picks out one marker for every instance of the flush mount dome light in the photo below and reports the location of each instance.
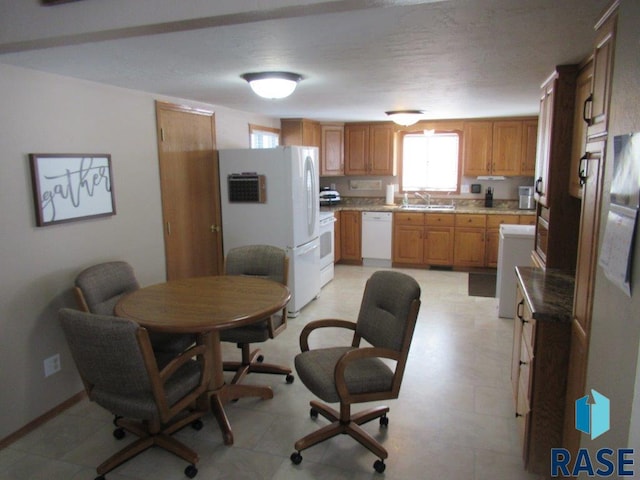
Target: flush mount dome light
(405, 117)
(272, 84)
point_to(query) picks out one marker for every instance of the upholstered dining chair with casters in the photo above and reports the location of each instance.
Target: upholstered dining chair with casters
(361, 373)
(259, 261)
(116, 364)
(99, 287)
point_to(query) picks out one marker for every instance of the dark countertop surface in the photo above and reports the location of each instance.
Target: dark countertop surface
(549, 293)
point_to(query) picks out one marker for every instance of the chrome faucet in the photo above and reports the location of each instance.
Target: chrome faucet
(426, 197)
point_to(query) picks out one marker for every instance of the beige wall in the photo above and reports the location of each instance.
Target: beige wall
(44, 113)
(615, 332)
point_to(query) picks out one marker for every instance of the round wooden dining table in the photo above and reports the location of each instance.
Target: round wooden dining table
(206, 305)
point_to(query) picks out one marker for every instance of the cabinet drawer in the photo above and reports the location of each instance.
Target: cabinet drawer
(470, 220)
(439, 219)
(405, 218)
(494, 221)
(527, 220)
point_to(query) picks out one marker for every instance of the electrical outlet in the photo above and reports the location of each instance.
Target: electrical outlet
(52, 365)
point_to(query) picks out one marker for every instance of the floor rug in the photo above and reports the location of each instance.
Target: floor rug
(482, 284)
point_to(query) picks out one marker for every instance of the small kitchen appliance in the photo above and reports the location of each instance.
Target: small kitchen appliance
(329, 197)
(526, 201)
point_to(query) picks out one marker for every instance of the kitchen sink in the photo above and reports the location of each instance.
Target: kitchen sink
(431, 208)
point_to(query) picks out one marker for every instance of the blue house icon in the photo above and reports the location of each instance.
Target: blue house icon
(593, 418)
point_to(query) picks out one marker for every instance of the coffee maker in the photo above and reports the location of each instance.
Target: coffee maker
(525, 201)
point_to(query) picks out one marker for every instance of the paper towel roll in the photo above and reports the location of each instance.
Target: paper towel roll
(390, 191)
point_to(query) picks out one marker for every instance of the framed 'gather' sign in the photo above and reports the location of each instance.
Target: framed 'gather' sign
(69, 187)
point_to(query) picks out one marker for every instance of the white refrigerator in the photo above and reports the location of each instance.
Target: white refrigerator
(270, 196)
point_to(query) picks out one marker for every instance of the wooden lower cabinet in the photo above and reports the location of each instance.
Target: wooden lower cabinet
(423, 239)
(469, 243)
(539, 378)
(337, 238)
(351, 236)
(446, 239)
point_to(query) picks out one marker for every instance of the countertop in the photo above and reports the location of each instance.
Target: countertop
(466, 209)
(549, 293)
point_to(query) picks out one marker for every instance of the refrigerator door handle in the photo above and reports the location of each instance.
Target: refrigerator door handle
(310, 194)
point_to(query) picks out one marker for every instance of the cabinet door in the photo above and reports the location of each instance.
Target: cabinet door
(507, 148)
(311, 133)
(602, 76)
(529, 139)
(438, 245)
(381, 150)
(407, 244)
(351, 234)
(579, 142)
(588, 236)
(478, 138)
(332, 150)
(356, 149)
(545, 126)
(469, 247)
(337, 236)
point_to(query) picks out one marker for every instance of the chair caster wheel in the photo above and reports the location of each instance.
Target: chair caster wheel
(116, 418)
(119, 433)
(296, 458)
(290, 378)
(379, 466)
(197, 425)
(101, 477)
(191, 471)
(313, 413)
(260, 358)
(384, 421)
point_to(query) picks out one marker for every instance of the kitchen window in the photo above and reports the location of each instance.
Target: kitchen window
(430, 161)
(263, 137)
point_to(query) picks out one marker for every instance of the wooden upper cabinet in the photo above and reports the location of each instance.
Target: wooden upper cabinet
(368, 149)
(478, 141)
(507, 148)
(381, 150)
(300, 131)
(529, 139)
(332, 150)
(500, 147)
(602, 73)
(555, 132)
(356, 149)
(579, 142)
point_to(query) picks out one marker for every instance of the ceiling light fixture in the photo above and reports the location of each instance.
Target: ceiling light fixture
(405, 117)
(272, 84)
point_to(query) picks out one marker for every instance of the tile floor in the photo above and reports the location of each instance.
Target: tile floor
(454, 418)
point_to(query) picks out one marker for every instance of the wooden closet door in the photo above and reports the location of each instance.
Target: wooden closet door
(190, 191)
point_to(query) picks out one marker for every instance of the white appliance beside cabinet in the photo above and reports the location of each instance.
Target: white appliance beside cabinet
(327, 246)
(270, 196)
(376, 238)
(514, 249)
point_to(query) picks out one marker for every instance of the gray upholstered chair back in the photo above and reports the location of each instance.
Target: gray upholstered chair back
(258, 261)
(385, 307)
(106, 352)
(103, 284)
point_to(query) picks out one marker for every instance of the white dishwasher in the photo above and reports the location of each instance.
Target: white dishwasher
(376, 238)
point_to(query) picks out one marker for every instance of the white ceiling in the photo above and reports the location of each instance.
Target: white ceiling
(359, 58)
